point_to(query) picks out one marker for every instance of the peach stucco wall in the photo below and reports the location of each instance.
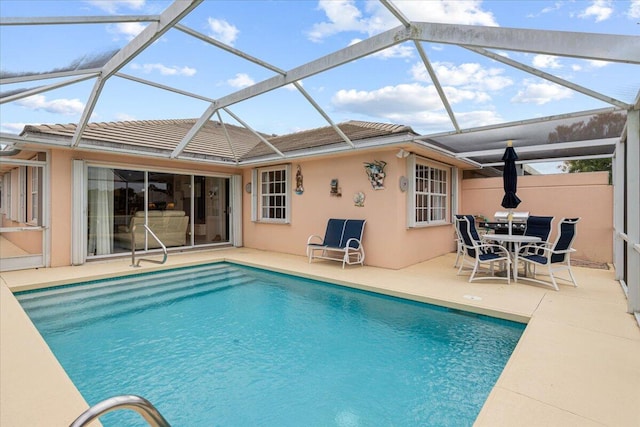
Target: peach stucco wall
(585, 195)
(387, 241)
(62, 184)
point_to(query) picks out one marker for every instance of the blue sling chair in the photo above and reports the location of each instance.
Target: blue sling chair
(477, 253)
(474, 234)
(538, 226)
(555, 257)
(342, 242)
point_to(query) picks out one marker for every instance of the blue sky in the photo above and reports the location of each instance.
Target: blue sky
(391, 86)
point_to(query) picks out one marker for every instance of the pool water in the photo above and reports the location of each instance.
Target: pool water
(227, 345)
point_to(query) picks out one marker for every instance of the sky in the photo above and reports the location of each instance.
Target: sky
(391, 86)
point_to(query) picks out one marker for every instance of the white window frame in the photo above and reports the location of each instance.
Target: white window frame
(432, 190)
(258, 208)
(35, 174)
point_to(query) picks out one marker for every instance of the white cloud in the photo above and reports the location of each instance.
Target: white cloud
(576, 67)
(601, 10)
(634, 9)
(67, 107)
(471, 76)
(546, 61)
(15, 128)
(598, 64)
(124, 117)
(164, 70)
(556, 6)
(241, 80)
(413, 104)
(401, 99)
(466, 12)
(541, 93)
(222, 31)
(344, 15)
(127, 29)
(112, 6)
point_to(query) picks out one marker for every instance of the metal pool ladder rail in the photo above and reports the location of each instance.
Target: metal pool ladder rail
(133, 247)
(136, 403)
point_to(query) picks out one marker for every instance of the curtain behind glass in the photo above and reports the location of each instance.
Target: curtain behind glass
(100, 211)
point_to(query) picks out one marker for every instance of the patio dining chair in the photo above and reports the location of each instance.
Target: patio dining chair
(556, 257)
(478, 254)
(538, 226)
(459, 243)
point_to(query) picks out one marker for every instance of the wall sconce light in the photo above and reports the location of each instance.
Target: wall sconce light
(335, 190)
(402, 154)
(247, 187)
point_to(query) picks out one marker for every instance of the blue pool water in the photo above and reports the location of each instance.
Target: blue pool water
(226, 345)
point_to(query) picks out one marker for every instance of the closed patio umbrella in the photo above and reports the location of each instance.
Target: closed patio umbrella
(510, 181)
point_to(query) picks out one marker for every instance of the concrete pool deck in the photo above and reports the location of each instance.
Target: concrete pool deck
(577, 363)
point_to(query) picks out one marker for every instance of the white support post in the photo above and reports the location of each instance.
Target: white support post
(618, 165)
(633, 210)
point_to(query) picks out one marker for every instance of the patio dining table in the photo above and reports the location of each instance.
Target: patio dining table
(503, 239)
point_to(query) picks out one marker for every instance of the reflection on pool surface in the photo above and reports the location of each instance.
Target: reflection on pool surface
(225, 345)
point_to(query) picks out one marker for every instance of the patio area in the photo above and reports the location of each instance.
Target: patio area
(576, 363)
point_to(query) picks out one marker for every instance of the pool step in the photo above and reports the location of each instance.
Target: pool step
(128, 295)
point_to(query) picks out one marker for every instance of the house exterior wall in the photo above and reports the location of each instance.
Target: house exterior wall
(387, 241)
(62, 185)
(585, 195)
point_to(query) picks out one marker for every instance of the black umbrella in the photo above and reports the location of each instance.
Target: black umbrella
(510, 181)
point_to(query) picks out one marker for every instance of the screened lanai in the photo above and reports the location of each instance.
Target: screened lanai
(465, 86)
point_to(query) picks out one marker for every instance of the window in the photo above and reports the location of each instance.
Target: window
(35, 205)
(429, 192)
(270, 201)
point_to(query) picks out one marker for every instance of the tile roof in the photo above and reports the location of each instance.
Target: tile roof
(165, 135)
(354, 130)
(160, 135)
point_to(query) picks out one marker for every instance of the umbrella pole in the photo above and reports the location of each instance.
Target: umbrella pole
(510, 218)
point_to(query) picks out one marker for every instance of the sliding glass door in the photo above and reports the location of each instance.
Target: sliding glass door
(182, 210)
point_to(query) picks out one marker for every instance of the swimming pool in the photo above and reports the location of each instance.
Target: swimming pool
(225, 345)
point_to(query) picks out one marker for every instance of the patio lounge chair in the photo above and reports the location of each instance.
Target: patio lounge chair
(342, 242)
(556, 257)
(474, 234)
(478, 253)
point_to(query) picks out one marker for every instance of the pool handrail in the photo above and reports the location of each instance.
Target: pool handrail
(136, 403)
(133, 247)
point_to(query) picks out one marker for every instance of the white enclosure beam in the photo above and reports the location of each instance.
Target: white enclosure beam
(164, 87)
(323, 114)
(633, 209)
(438, 86)
(604, 47)
(173, 14)
(64, 20)
(550, 77)
(262, 138)
(358, 50)
(41, 89)
(544, 147)
(45, 76)
(524, 122)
